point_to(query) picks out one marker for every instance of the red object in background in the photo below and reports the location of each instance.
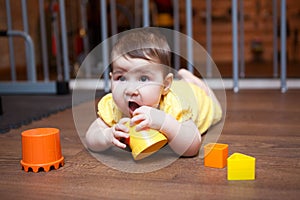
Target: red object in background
(54, 8)
(78, 45)
(164, 6)
(53, 45)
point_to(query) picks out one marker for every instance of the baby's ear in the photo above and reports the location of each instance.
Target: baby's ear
(167, 83)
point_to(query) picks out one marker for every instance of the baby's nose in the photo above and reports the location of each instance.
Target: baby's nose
(131, 89)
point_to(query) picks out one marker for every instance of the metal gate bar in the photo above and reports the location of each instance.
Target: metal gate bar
(32, 85)
(235, 40)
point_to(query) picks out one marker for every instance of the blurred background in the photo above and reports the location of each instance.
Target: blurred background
(65, 38)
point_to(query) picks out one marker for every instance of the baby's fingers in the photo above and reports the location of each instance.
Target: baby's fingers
(120, 127)
(120, 134)
(143, 125)
(137, 119)
(119, 131)
(124, 120)
(117, 143)
(142, 122)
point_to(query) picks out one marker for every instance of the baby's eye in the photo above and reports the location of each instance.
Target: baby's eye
(144, 78)
(121, 78)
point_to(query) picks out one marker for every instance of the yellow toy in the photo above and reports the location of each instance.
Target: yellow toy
(240, 167)
(144, 143)
(215, 155)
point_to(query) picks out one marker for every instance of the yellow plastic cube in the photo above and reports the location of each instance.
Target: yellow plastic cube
(215, 155)
(240, 167)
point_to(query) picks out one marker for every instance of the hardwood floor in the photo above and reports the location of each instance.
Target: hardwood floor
(264, 124)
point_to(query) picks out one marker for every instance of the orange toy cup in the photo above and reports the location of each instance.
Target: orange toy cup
(41, 149)
(144, 143)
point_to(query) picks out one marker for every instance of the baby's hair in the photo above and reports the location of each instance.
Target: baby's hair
(144, 43)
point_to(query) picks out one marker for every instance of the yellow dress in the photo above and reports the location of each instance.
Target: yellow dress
(184, 101)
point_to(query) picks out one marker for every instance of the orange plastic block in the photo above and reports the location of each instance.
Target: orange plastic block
(215, 155)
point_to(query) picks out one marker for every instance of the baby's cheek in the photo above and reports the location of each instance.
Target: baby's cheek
(153, 99)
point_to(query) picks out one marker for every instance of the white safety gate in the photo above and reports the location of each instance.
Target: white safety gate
(32, 85)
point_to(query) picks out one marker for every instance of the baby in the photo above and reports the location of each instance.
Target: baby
(143, 92)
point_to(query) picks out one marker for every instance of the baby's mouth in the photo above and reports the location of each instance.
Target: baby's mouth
(132, 106)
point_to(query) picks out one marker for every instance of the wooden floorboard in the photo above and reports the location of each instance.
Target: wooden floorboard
(260, 123)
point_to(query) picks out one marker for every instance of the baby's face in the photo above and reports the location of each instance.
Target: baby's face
(136, 82)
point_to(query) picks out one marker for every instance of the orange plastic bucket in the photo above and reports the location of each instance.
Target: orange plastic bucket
(41, 149)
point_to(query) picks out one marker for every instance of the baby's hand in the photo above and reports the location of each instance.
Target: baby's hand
(148, 117)
(120, 131)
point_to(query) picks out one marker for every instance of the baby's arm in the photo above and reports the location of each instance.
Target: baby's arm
(184, 138)
(100, 137)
